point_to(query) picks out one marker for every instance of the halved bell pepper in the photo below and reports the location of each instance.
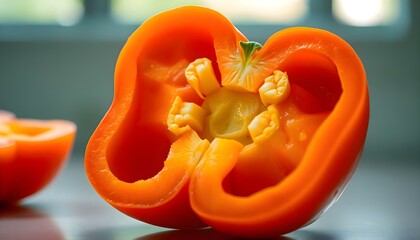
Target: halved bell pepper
(31, 154)
(208, 128)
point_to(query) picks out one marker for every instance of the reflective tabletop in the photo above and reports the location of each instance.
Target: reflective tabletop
(382, 201)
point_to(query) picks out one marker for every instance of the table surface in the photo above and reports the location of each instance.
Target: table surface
(382, 201)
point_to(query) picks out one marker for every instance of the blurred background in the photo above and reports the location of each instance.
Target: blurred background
(57, 58)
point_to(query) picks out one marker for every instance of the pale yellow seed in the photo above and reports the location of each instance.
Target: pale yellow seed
(276, 88)
(185, 116)
(264, 125)
(200, 75)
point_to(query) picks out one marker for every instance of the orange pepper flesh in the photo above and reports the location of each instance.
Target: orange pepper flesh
(238, 187)
(31, 154)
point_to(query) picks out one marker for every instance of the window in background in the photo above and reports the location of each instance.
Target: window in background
(261, 11)
(136, 11)
(243, 11)
(61, 12)
(114, 19)
(366, 13)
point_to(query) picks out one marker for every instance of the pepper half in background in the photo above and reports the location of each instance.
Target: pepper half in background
(31, 154)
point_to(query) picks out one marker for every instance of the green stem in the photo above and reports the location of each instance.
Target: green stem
(249, 48)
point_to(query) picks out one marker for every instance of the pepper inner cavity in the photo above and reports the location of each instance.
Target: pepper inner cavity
(250, 117)
(245, 116)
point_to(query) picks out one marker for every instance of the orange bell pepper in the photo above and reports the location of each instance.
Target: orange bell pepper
(31, 154)
(208, 128)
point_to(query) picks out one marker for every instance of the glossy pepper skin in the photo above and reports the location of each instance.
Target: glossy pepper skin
(31, 154)
(182, 152)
